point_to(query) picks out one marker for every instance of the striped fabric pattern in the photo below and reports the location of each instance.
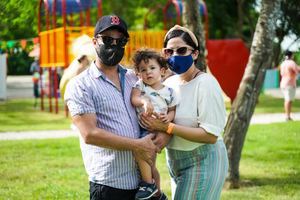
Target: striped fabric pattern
(200, 173)
(92, 92)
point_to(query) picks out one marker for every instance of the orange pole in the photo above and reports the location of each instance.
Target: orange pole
(99, 2)
(42, 89)
(165, 13)
(178, 17)
(81, 18)
(178, 12)
(55, 55)
(49, 88)
(88, 17)
(55, 89)
(48, 50)
(41, 70)
(64, 14)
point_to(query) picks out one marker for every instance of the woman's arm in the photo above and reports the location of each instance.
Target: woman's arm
(188, 133)
(192, 134)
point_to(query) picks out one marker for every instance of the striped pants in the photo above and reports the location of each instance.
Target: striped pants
(198, 174)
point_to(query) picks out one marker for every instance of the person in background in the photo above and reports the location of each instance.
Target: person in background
(150, 96)
(289, 72)
(196, 154)
(35, 71)
(79, 64)
(99, 102)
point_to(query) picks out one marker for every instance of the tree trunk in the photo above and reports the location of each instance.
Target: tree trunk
(244, 104)
(191, 19)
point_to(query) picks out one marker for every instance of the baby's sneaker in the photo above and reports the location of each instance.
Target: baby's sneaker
(146, 190)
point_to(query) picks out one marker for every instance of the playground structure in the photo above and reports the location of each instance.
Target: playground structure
(74, 17)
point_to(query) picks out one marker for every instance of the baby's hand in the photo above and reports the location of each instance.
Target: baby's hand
(164, 117)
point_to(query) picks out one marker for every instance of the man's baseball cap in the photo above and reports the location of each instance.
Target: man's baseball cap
(111, 22)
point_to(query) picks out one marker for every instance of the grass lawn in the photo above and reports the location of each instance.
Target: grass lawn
(270, 163)
(268, 104)
(53, 169)
(20, 115)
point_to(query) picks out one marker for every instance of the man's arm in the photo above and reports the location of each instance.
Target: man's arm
(91, 134)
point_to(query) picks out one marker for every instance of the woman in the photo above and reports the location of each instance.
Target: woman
(196, 154)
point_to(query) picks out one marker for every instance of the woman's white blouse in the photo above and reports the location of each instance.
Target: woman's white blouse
(201, 104)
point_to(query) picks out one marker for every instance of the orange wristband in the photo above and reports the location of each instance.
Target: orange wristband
(170, 128)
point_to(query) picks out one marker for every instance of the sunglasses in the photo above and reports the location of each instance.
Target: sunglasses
(179, 51)
(107, 40)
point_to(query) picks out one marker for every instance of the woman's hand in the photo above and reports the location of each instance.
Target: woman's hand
(153, 123)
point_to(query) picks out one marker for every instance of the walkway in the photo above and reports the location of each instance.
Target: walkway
(19, 87)
(37, 134)
(256, 119)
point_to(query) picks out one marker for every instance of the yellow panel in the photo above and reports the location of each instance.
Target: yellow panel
(60, 47)
(53, 49)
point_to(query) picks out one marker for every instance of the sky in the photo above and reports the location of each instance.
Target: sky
(289, 44)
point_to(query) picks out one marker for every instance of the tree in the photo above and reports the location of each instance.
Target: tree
(232, 19)
(191, 19)
(18, 19)
(133, 12)
(244, 104)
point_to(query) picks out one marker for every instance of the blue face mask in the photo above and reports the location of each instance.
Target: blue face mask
(180, 64)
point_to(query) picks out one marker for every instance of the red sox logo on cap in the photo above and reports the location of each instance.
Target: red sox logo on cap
(115, 20)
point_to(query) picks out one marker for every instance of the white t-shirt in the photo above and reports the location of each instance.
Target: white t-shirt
(201, 104)
(161, 99)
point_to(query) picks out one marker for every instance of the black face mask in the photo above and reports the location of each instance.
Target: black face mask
(110, 55)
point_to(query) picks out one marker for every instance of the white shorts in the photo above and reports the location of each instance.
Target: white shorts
(289, 93)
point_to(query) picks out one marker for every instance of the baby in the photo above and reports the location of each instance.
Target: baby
(150, 96)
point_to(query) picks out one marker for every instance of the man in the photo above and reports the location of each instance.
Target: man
(288, 72)
(99, 103)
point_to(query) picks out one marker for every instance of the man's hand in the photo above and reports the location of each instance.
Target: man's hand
(161, 140)
(146, 149)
